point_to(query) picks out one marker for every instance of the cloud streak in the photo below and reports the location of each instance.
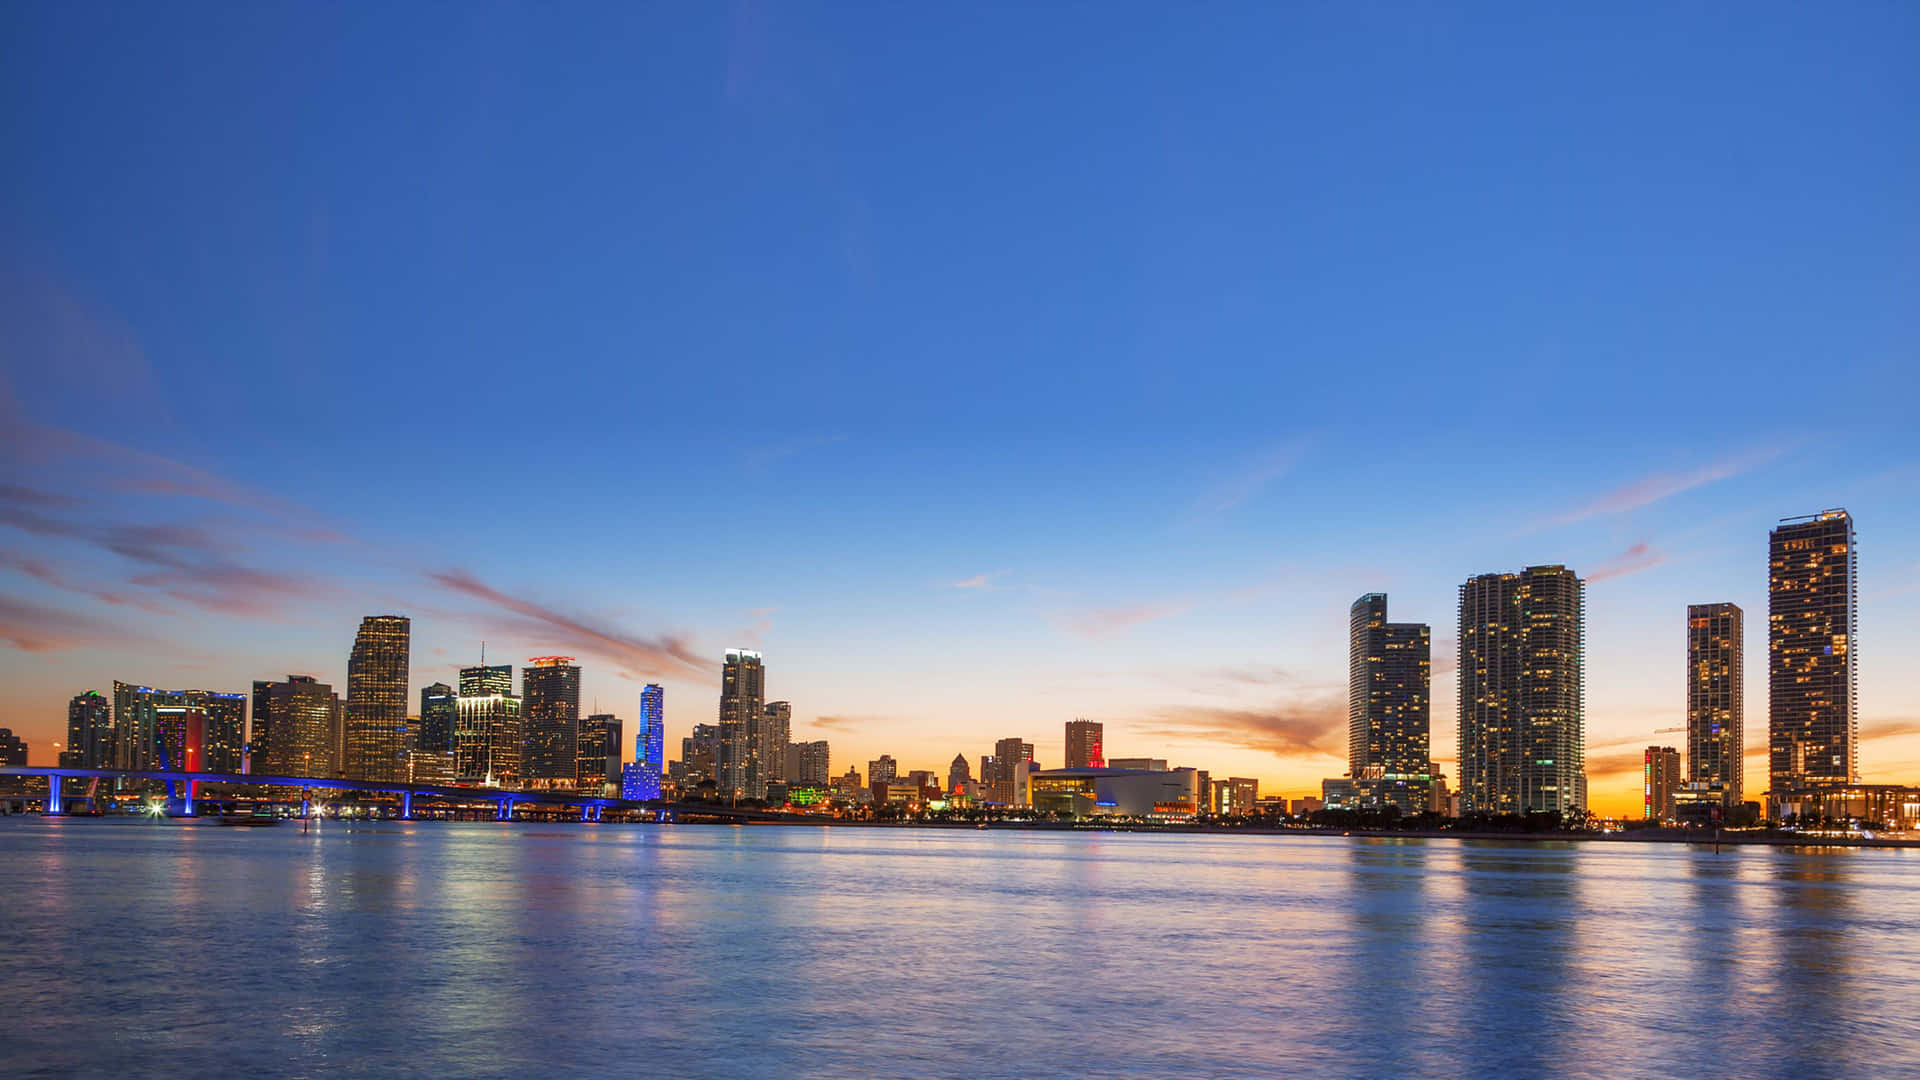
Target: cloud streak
(646, 656)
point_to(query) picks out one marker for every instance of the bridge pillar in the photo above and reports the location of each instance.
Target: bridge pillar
(406, 806)
(54, 809)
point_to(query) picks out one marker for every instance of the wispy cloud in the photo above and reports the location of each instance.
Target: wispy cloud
(1107, 622)
(983, 582)
(649, 656)
(1657, 486)
(1310, 726)
(1641, 556)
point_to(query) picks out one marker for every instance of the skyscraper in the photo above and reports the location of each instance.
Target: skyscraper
(775, 733)
(641, 779)
(1716, 722)
(293, 727)
(550, 693)
(1389, 672)
(487, 728)
(742, 716)
(376, 735)
(1084, 745)
(436, 719)
(1812, 726)
(1660, 778)
(1523, 693)
(89, 732)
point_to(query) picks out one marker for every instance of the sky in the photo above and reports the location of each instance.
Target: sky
(985, 367)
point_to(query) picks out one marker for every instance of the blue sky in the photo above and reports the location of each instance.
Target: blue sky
(638, 334)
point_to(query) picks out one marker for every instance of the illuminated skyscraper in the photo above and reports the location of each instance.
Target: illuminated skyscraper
(89, 732)
(1523, 693)
(776, 731)
(376, 736)
(742, 716)
(641, 778)
(1812, 727)
(1389, 671)
(1084, 745)
(488, 727)
(293, 727)
(550, 693)
(1716, 722)
(436, 719)
(1660, 778)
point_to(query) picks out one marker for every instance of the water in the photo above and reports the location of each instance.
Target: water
(485, 950)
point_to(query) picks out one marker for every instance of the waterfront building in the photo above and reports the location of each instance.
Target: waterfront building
(776, 733)
(89, 732)
(597, 754)
(1389, 669)
(816, 765)
(958, 773)
(488, 728)
(737, 762)
(881, 769)
(1812, 724)
(294, 727)
(1660, 779)
(1150, 764)
(13, 749)
(1085, 748)
(1156, 795)
(1233, 796)
(1716, 723)
(550, 710)
(435, 731)
(376, 735)
(1522, 700)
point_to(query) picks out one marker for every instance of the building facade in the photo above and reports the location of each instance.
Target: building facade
(294, 728)
(1812, 595)
(1716, 714)
(1659, 781)
(377, 738)
(1522, 707)
(1389, 716)
(550, 706)
(743, 689)
(89, 732)
(1086, 744)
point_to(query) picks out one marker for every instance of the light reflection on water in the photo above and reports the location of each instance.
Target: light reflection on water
(492, 950)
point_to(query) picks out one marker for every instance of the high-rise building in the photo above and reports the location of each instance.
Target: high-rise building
(1084, 745)
(776, 731)
(1660, 776)
(436, 719)
(1523, 693)
(1389, 671)
(294, 727)
(488, 727)
(641, 779)
(376, 736)
(597, 753)
(958, 774)
(1716, 720)
(151, 728)
(1812, 726)
(816, 766)
(742, 717)
(89, 732)
(13, 749)
(550, 701)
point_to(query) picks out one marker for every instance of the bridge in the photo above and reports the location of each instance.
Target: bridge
(591, 807)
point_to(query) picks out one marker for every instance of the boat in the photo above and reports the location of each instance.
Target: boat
(248, 819)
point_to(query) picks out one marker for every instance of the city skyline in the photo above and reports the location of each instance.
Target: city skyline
(1105, 402)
